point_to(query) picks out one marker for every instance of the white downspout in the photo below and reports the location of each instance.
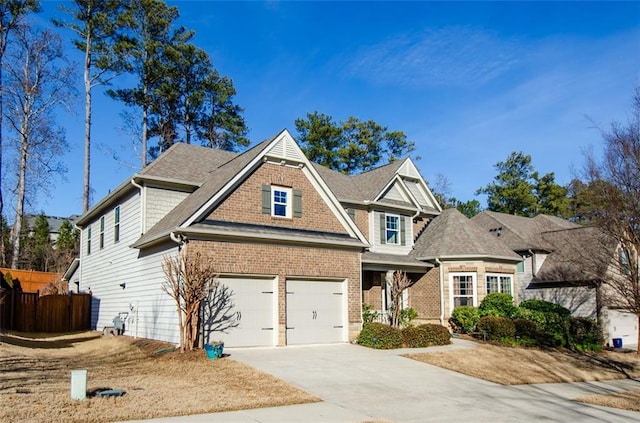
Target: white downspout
(143, 206)
(441, 269)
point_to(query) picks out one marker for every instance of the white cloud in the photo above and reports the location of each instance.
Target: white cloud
(452, 56)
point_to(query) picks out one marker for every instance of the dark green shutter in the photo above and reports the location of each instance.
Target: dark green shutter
(297, 203)
(266, 199)
(403, 240)
(383, 229)
(352, 213)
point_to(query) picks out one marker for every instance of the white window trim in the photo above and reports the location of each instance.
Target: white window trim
(288, 205)
(386, 229)
(474, 280)
(499, 276)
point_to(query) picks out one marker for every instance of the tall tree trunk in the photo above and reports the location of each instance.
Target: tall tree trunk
(87, 127)
(17, 223)
(2, 252)
(145, 118)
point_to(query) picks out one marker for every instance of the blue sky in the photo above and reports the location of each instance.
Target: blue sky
(468, 82)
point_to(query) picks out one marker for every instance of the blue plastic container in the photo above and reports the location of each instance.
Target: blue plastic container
(617, 342)
(213, 351)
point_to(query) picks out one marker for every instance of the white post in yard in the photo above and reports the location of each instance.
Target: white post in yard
(78, 384)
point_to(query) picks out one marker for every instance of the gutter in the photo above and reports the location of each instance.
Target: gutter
(441, 269)
(143, 205)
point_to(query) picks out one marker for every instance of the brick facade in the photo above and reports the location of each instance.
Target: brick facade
(246, 258)
(244, 204)
(424, 295)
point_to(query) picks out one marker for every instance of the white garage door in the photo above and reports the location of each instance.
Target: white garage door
(246, 317)
(624, 326)
(315, 312)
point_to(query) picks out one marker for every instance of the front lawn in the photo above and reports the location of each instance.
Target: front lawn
(35, 382)
(516, 366)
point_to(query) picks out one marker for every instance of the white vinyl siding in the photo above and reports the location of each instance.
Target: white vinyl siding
(105, 270)
(159, 202)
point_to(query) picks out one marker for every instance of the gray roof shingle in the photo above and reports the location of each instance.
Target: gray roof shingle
(452, 234)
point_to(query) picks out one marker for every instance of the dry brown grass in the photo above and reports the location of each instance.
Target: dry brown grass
(35, 382)
(624, 400)
(516, 366)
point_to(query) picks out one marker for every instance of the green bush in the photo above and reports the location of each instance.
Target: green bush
(464, 319)
(407, 315)
(527, 331)
(554, 330)
(497, 328)
(497, 304)
(380, 336)
(426, 335)
(545, 307)
(584, 334)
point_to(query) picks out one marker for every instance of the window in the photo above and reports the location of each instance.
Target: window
(88, 240)
(463, 289)
(392, 229)
(520, 268)
(280, 204)
(116, 224)
(625, 267)
(499, 283)
(102, 232)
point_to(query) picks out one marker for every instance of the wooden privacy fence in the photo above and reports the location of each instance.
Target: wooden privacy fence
(28, 312)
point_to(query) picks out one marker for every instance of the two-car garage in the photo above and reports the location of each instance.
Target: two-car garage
(315, 311)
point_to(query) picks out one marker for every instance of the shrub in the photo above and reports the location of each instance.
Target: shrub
(545, 307)
(497, 304)
(497, 328)
(554, 330)
(527, 330)
(426, 335)
(380, 336)
(464, 319)
(368, 315)
(406, 316)
(584, 334)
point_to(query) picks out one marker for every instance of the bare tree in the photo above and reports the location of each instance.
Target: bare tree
(12, 13)
(613, 197)
(38, 81)
(399, 282)
(189, 279)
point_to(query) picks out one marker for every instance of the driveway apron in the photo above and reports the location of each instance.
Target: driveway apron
(384, 386)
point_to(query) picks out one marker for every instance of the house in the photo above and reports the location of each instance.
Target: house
(54, 222)
(299, 248)
(566, 264)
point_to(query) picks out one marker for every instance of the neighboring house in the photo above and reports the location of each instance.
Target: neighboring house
(566, 264)
(54, 223)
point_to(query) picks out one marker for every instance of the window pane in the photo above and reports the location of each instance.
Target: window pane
(279, 210)
(117, 215)
(505, 283)
(492, 284)
(392, 225)
(280, 197)
(520, 268)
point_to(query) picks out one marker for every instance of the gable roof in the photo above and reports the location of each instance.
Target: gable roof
(521, 233)
(453, 235)
(222, 180)
(580, 255)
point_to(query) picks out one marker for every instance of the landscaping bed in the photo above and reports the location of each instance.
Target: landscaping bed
(35, 383)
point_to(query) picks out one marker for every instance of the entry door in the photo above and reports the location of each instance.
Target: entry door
(315, 312)
(249, 318)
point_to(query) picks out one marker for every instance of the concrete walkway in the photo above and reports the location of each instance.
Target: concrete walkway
(359, 384)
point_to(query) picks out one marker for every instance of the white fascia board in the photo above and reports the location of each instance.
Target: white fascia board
(482, 257)
(106, 201)
(334, 205)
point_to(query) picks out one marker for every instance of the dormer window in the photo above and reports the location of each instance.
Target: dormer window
(392, 229)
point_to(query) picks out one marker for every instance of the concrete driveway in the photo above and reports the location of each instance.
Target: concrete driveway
(358, 384)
